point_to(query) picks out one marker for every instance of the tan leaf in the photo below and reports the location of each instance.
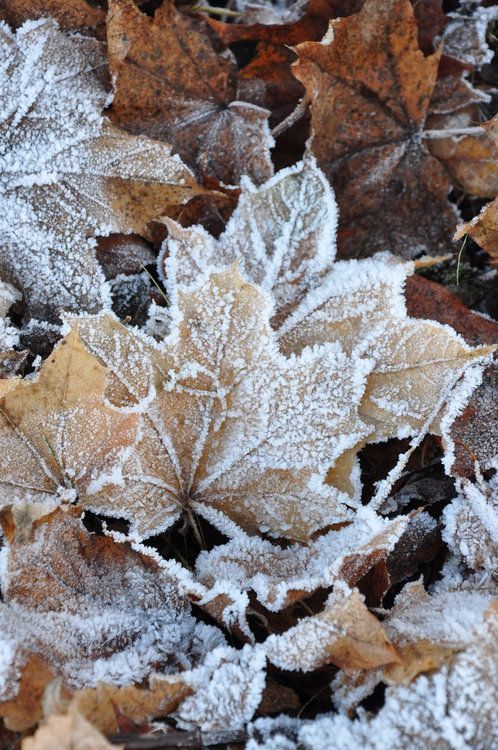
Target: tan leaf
(74, 175)
(69, 732)
(171, 83)
(345, 634)
(102, 705)
(234, 430)
(58, 435)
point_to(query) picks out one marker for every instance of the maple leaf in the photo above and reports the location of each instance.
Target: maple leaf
(58, 435)
(230, 424)
(483, 229)
(290, 224)
(283, 233)
(66, 173)
(170, 82)
(392, 192)
(91, 608)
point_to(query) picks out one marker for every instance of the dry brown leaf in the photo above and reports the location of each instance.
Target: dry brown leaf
(171, 83)
(103, 705)
(67, 732)
(233, 430)
(392, 193)
(58, 435)
(483, 229)
(472, 160)
(345, 634)
(70, 14)
(90, 608)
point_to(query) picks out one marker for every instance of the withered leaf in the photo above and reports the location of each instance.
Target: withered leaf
(67, 732)
(370, 87)
(58, 435)
(67, 173)
(231, 429)
(70, 14)
(483, 228)
(92, 608)
(172, 83)
(345, 633)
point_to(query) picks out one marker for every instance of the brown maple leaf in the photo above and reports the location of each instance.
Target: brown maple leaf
(70, 14)
(91, 609)
(172, 83)
(483, 229)
(370, 87)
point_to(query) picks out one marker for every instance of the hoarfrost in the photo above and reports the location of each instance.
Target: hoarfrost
(65, 173)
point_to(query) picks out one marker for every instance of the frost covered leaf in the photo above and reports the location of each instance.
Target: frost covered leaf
(233, 430)
(280, 576)
(226, 689)
(58, 435)
(358, 304)
(483, 229)
(470, 434)
(471, 524)
(171, 83)
(448, 708)
(67, 732)
(91, 608)
(66, 173)
(370, 87)
(345, 633)
(427, 630)
(283, 233)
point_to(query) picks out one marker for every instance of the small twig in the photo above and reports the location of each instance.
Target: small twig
(196, 740)
(161, 291)
(435, 134)
(294, 116)
(213, 11)
(459, 258)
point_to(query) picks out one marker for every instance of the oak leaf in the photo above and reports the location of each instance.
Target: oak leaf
(370, 69)
(93, 609)
(171, 83)
(66, 173)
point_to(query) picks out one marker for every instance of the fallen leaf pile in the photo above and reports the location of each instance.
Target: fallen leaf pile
(248, 488)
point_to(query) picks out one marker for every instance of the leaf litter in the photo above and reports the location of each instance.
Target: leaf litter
(191, 537)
